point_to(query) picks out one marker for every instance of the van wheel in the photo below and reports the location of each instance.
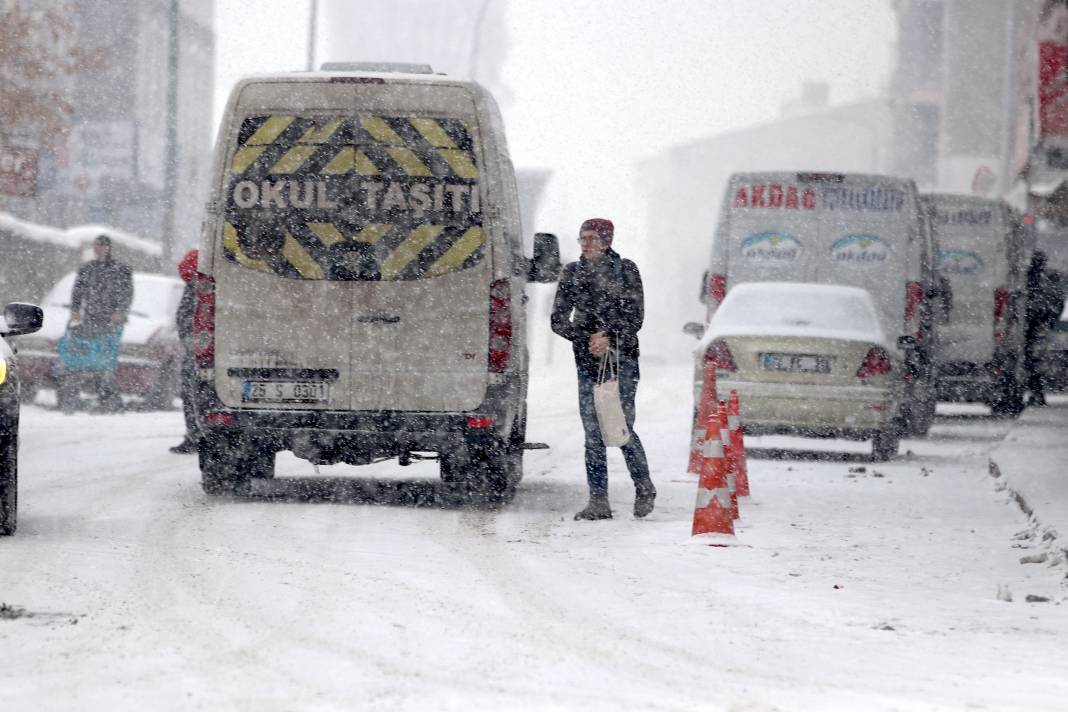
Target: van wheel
(884, 445)
(1008, 401)
(9, 480)
(226, 466)
(488, 472)
(918, 415)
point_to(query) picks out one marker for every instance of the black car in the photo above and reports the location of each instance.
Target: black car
(18, 319)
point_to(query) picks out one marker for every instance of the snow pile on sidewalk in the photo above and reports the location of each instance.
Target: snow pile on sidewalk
(1032, 460)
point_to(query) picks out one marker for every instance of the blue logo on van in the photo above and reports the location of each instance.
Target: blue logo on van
(771, 247)
(959, 262)
(860, 249)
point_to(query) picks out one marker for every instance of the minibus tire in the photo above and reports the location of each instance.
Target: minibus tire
(885, 444)
(1008, 399)
(222, 468)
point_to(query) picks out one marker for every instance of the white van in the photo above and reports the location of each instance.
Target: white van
(985, 248)
(831, 228)
(361, 293)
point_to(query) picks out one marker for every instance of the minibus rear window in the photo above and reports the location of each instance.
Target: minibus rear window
(363, 197)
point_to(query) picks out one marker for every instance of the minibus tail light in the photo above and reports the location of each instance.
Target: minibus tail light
(913, 299)
(204, 322)
(1001, 314)
(500, 326)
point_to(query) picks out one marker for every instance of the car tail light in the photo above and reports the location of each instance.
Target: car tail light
(219, 418)
(875, 363)
(480, 421)
(204, 322)
(719, 357)
(913, 299)
(717, 287)
(717, 290)
(1001, 314)
(500, 325)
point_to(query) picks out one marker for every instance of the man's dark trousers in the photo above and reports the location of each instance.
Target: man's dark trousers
(633, 452)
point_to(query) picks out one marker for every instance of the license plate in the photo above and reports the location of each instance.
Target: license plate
(797, 363)
(285, 392)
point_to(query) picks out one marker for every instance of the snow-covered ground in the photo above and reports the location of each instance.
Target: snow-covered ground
(856, 586)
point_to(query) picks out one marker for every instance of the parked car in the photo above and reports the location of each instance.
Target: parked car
(807, 359)
(867, 231)
(985, 247)
(149, 355)
(1055, 355)
(18, 319)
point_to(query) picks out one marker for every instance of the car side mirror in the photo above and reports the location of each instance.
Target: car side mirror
(694, 329)
(906, 342)
(22, 318)
(545, 265)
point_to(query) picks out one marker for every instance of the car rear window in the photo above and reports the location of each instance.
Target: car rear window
(362, 197)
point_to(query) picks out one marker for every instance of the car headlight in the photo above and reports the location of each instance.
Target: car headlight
(3, 369)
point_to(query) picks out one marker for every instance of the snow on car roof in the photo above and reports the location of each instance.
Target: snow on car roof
(76, 237)
(797, 309)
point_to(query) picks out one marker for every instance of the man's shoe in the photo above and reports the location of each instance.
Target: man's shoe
(598, 508)
(643, 502)
(186, 447)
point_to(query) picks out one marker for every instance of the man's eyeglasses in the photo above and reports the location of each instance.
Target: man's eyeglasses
(585, 239)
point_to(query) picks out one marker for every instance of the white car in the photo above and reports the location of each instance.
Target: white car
(809, 360)
(150, 352)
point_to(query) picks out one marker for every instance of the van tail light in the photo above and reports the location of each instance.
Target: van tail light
(719, 357)
(717, 290)
(875, 363)
(500, 325)
(1001, 314)
(913, 299)
(204, 322)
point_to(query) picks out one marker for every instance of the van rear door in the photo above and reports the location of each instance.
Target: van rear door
(360, 225)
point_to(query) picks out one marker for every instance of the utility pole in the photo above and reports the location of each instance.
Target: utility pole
(170, 179)
(313, 26)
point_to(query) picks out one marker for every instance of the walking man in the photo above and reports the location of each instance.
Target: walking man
(600, 306)
(187, 270)
(1045, 300)
(99, 306)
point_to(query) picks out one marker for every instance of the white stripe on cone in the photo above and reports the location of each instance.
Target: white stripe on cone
(721, 495)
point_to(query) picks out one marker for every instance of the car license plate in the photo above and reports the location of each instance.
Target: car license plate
(797, 363)
(285, 392)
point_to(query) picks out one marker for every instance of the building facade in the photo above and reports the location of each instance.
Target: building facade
(111, 166)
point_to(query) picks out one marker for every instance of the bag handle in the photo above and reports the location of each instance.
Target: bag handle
(609, 367)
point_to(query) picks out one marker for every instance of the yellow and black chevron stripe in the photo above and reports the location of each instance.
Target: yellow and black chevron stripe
(312, 243)
(383, 146)
(368, 252)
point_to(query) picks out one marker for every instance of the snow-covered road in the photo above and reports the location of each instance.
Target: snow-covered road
(875, 588)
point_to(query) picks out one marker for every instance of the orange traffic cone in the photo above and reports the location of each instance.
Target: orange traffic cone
(706, 406)
(712, 514)
(728, 457)
(734, 421)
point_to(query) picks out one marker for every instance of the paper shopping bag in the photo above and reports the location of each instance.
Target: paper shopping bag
(606, 400)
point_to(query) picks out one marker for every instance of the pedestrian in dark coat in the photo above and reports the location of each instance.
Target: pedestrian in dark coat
(102, 293)
(187, 270)
(599, 306)
(99, 306)
(1045, 301)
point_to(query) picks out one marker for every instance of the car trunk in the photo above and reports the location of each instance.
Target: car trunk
(808, 361)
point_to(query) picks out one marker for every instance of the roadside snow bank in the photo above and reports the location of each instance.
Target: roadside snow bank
(1032, 461)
